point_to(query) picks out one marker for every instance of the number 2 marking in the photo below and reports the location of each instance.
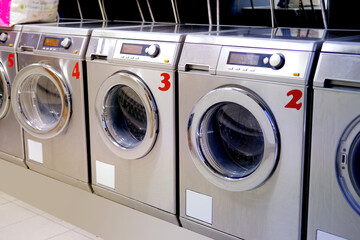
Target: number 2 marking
(165, 81)
(296, 96)
(76, 72)
(11, 60)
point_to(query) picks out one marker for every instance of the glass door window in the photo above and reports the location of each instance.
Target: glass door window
(43, 102)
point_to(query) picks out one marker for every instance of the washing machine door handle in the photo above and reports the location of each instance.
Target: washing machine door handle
(41, 100)
(127, 115)
(5, 92)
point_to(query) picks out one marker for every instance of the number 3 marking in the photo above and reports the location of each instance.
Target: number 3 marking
(165, 81)
(76, 72)
(11, 60)
(296, 96)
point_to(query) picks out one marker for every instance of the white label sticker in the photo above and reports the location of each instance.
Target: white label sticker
(199, 206)
(320, 235)
(105, 174)
(35, 151)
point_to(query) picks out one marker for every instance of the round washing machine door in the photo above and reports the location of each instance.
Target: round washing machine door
(4, 92)
(127, 114)
(348, 164)
(233, 139)
(42, 100)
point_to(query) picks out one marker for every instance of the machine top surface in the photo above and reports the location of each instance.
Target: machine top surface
(338, 41)
(272, 38)
(165, 32)
(14, 28)
(81, 28)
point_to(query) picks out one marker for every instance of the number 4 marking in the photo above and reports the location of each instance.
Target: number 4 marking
(296, 96)
(76, 71)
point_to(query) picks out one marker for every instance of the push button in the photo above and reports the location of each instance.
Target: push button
(266, 60)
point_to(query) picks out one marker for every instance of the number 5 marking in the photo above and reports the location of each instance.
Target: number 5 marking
(76, 72)
(11, 60)
(165, 81)
(296, 96)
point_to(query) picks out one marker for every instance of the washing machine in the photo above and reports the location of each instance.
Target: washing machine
(11, 139)
(242, 110)
(132, 115)
(49, 98)
(334, 199)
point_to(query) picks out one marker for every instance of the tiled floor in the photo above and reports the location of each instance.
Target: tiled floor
(20, 221)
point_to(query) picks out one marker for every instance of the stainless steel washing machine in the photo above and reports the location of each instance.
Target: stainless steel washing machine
(334, 199)
(49, 98)
(11, 138)
(242, 110)
(132, 114)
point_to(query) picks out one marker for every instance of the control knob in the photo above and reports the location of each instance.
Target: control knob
(153, 50)
(277, 60)
(66, 42)
(3, 37)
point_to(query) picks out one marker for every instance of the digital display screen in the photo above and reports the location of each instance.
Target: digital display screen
(243, 58)
(132, 49)
(52, 42)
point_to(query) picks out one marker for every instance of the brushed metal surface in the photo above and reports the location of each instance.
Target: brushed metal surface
(335, 108)
(151, 179)
(44, 28)
(11, 139)
(65, 154)
(337, 69)
(272, 210)
(271, 43)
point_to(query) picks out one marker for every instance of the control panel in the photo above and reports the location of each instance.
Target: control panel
(275, 61)
(7, 38)
(65, 44)
(146, 51)
(51, 43)
(266, 62)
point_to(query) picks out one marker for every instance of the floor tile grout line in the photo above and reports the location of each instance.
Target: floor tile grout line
(6, 196)
(84, 234)
(59, 234)
(35, 216)
(63, 225)
(28, 209)
(4, 199)
(14, 223)
(42, 214)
